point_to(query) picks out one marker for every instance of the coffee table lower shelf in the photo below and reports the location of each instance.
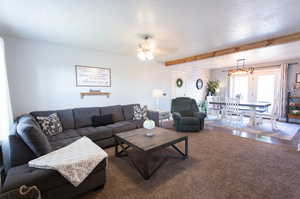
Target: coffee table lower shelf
(145, 171)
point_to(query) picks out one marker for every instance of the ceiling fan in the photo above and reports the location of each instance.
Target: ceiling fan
(149, 47)
(145, 49)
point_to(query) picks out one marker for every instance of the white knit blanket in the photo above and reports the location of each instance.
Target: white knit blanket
(75, 161)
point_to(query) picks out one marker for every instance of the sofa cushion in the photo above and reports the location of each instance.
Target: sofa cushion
(190, 121)
(33, 136)
(102, 120)
(121, 126)
(128, 111)
(70, 133)
(57, 144)
(44, 179)
(51, 124)
(83, 116)
(97, 133)
(137, 123)
(139, 113)
(65, 116)
(116, 111)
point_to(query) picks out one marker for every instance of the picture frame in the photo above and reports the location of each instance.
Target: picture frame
(297, 77)
(199, 84)
(179, 82)
(92, 76)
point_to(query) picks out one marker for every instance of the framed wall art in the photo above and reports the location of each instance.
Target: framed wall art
(297, 77)
(91, 76)
(179, 82)
(199, 84)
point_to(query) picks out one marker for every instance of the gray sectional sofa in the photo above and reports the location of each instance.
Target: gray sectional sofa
(76, 123)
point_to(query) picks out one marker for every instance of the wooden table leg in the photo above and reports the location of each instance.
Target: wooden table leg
(146, 166)
(116, 147)
(186, 147)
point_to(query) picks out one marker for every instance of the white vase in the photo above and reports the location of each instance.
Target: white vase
(149, 124)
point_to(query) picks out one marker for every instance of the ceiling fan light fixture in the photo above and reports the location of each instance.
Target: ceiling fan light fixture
(149, 55)
(145, 50)
(141, 56)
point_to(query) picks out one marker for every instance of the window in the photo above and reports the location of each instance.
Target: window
(258, 87)
(239, 86)
(5, 113)
(266, 88)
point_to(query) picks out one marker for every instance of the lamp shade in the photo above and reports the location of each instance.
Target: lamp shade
(157, 93)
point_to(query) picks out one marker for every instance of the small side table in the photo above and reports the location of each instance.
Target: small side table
(163, 115)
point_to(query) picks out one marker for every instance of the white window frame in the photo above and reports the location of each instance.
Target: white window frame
(231, 84)
(6, 118)
(252, 81)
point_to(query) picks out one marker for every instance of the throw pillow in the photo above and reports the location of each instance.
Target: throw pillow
(102, 120)
(33, 136)
(139, 113)
(50, 125)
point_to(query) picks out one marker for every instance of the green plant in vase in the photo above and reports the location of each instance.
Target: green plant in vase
(203, 106)
(212, 86)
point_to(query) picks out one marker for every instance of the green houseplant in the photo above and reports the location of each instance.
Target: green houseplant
(203, 106)
(212, 86)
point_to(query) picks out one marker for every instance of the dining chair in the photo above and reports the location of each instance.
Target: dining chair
(275, 115)
(213, 109)
(232, 112)
(272, 117)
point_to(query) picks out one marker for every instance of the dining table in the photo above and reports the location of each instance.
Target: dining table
(252, 108)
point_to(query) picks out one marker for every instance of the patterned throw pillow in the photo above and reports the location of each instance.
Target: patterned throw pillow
(50, 125)
(139, 113)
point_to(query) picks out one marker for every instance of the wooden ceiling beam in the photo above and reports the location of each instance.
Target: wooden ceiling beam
(244, 47)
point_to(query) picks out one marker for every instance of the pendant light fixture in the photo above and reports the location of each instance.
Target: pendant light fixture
(240, 68)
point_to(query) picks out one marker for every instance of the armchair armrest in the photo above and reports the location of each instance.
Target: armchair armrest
(176, 116)
(199, 115)
(153, 115)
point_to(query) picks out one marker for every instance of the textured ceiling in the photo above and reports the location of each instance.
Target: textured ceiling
(179, 28)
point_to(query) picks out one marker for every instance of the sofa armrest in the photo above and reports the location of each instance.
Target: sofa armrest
(15, 152)
(199, 115)
(153, 115)
(176, 116)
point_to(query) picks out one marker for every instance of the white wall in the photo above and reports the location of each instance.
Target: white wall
(41, 76)
(190, 74)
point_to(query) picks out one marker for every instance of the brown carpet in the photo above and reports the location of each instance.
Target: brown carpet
(220, 166)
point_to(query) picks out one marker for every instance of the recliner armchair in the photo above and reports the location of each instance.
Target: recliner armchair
(186, 115)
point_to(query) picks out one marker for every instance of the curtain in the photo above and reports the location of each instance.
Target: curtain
(283, 91)
(6, 118)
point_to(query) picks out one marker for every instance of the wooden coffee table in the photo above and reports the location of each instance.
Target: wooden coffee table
(145, 145)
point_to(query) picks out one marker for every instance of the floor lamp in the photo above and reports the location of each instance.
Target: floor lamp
(157, 93)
